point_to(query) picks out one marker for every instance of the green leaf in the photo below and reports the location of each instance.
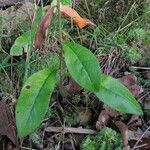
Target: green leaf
(26, 39)
(64, 2)
(16, 50)
(21, 43)
(82, 65)
(117, 96)
(33, 101)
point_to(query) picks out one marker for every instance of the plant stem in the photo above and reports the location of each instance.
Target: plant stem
(27, 64)
(30, 49)
(60, 42)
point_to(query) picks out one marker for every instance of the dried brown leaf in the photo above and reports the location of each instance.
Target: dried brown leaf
(105, 116)
(102, 120)
(41, 33)
(7, 125)
(130, 81)
(78, 20)
(124, 131)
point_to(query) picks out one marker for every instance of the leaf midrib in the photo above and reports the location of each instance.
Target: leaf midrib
(37, 96)
(83, 66)
(119, 95)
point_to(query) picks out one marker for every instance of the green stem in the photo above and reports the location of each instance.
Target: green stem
(27, 64)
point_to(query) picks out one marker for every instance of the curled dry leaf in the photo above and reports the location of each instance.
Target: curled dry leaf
(130, 81)
(78, 20)
(7, 125)
(102, 120)
(41, 33)
(105, 116)
(124, 132)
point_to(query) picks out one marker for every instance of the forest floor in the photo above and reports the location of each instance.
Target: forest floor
(120, 41)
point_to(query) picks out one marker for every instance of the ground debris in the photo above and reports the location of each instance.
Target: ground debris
(7, 125)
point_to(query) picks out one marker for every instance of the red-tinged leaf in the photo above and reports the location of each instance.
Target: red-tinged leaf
(130, 81)
(7, 125)
(45, 22)
(78, 20)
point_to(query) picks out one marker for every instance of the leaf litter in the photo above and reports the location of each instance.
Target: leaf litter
(7, 124)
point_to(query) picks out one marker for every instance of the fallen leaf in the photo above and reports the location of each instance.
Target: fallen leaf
(105, 116)
(41, 33)
(78, 20)
(7, 125)
(124, 132)
(102, 120)
(130, 81)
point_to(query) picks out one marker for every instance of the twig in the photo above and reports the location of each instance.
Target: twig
(72, 142)
(27, 148)
(144, 68)
(70, 130)
(60, 42)
(141, 146)
(140, 138)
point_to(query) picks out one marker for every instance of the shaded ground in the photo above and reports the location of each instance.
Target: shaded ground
(121, 42)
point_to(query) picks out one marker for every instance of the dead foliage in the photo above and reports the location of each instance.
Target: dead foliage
(7, 125)
(41, 33)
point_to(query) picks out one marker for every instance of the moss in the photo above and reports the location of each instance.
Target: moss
(89, 144)
(140, 34)
(134, 54)
(109, 139)
(106, 139)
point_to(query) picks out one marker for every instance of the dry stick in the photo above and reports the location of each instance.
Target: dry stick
(140, 146)
(72, 142)
(60, 41)
(144, 68)
(140, 138)
(140, 99)
(128, 25)
(27, 148)
(70, 130)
